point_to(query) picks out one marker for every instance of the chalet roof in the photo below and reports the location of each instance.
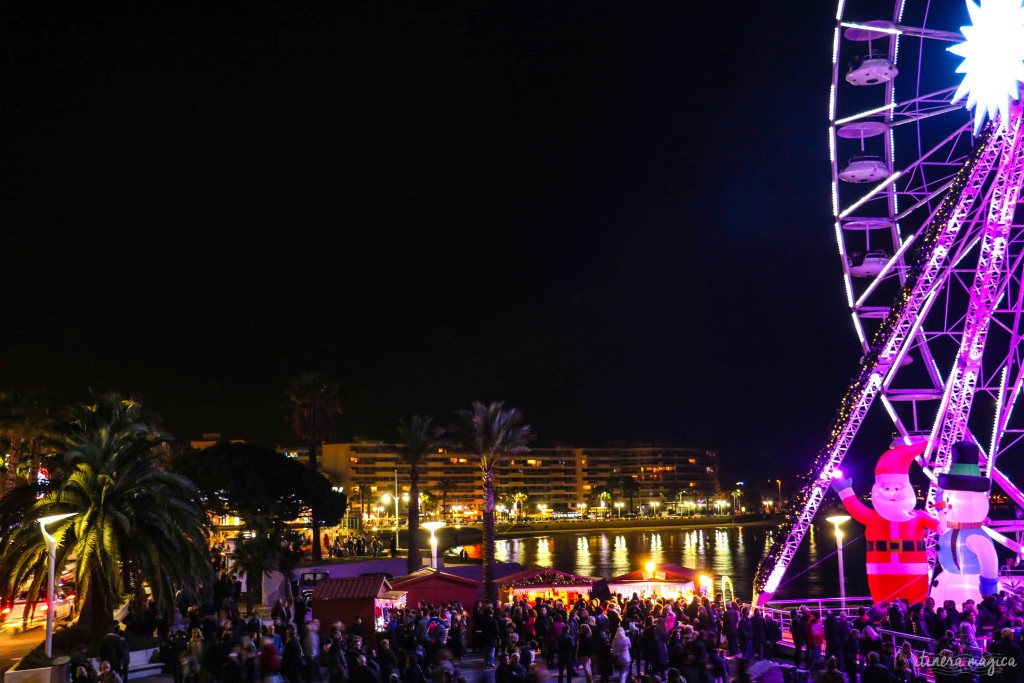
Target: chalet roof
(545, 576)
(665, 571)
(351, 587)
(421, 575)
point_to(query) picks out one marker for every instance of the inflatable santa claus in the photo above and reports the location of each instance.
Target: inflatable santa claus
(897, 565)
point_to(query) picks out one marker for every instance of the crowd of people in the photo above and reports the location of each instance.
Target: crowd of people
(357, 545)
(965, 643)
(616, 640)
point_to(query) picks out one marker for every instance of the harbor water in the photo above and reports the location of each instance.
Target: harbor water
(720, 551)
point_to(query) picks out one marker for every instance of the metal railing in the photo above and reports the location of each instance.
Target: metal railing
(780, 609)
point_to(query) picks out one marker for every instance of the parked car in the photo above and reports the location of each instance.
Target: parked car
(307, 581)
(14, 612)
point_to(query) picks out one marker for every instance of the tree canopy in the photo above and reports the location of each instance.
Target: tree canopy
(258, 483)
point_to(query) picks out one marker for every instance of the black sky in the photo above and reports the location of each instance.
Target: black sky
(614, 216)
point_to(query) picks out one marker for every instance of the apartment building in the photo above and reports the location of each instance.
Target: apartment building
(560, 478)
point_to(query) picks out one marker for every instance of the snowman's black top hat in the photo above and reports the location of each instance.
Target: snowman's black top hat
(964, 473)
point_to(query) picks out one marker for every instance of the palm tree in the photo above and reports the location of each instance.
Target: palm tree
(418, 438)
(256, 552)
(629, 487)
(428, 500)
(491, 433)
(135, 525)
(604, 495)
(520, 498)
(445, 485)
(313, 402)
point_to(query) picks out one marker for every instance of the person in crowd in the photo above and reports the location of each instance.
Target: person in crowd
(81, 676)
(565, 652)
(831, 674)
(798, 635)
(108, 674)
(620, 654)
(292, 668)
(584, 652)
(875, 671)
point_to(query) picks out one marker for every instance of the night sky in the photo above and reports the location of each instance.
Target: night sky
(613, 216)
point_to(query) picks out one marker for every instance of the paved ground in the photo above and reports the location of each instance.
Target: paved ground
(472, 668)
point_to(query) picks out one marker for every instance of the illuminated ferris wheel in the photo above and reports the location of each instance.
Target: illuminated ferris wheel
(927, 162)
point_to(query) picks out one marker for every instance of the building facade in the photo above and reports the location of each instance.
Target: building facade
(545, 481)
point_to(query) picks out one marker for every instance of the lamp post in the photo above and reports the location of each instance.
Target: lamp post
(654, 507)
(51, 551)
(433, 526)
(837, 520)
(618, 506)
(779, 482)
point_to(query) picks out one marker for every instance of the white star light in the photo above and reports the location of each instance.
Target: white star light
(993, 52)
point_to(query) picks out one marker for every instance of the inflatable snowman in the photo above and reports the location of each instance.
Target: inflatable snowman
(897, 564)
(970, 565)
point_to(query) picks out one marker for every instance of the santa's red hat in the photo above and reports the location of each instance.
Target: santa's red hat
(897, 460)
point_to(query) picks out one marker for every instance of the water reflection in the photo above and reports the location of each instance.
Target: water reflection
(544, 552)
(583, 555)
(732, 552)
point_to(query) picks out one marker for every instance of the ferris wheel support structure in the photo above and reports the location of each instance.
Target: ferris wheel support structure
(989, 285)
(929, 225)
(891, 344)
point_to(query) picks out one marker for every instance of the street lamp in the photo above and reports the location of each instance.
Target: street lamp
(779, 482)
(51, 551)
(837, 520)
(619, 505)
(654, 506)
(433, 526)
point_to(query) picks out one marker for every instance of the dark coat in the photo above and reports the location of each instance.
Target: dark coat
(291, 661)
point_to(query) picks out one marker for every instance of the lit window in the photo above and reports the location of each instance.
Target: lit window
(462, 460)
(355, 460)
(692, 484)
(693, 461)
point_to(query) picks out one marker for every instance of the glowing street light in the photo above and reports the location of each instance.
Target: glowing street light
(51, 551)
(433, 526)
(779, 482)
(619, 505)
(654, 507)
(837, 520)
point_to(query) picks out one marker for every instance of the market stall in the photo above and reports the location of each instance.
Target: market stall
(437, 587)
(368, 597)
(662, 580)
(543, 582)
